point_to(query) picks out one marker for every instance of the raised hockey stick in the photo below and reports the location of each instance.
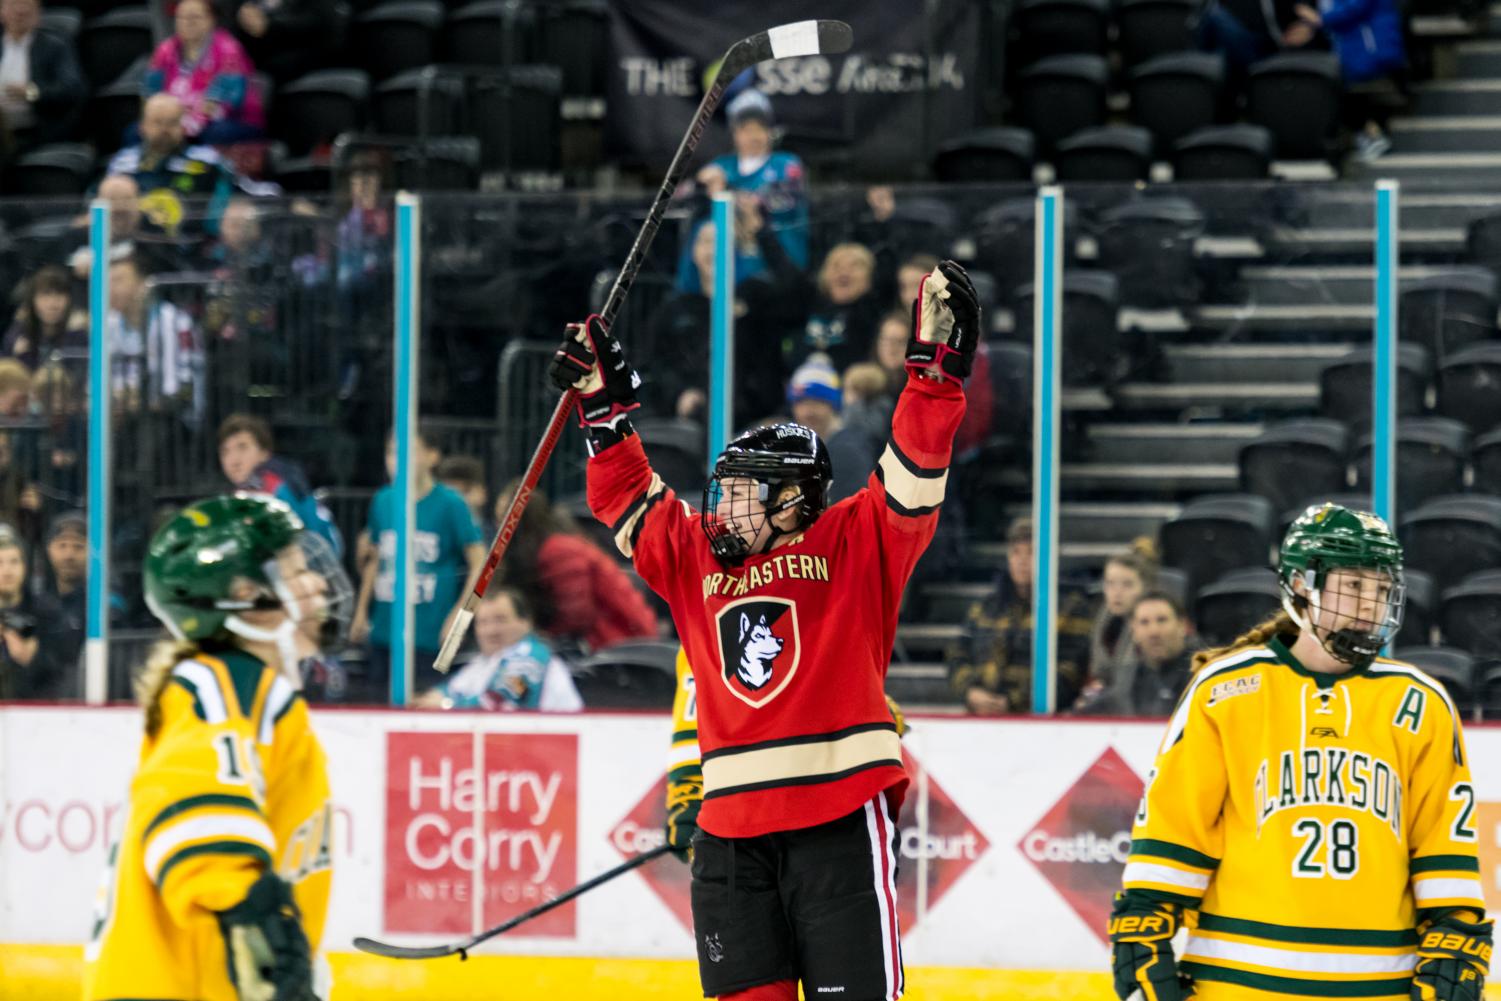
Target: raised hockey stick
(801, 38)
(461, 949)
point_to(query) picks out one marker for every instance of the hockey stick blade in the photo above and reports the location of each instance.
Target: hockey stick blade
(461, 949)
(799, 38)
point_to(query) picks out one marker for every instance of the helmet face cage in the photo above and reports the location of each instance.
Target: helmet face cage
(1360, 639)
(751, 513)
(308, 566)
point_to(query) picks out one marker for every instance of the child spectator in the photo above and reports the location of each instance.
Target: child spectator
(815, 399)
(38, 648)
(248, 462)
(1112, 655)
(465, 476)
(205, 68)
(514, 669)
(580, 593)
(47, 327)
(449, 556)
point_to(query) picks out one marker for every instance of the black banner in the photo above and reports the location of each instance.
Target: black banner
(909, 81)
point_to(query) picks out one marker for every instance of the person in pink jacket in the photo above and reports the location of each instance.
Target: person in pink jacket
(204, 67)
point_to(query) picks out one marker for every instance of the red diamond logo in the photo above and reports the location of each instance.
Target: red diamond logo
(1081, 844)
(937, 856)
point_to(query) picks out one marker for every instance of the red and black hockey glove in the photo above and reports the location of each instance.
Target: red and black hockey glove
(269, 958)
(1454, 956)
(945, 324)
(590, 360)
(1141, 950)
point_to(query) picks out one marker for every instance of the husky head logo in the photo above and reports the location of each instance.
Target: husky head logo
(758, 647)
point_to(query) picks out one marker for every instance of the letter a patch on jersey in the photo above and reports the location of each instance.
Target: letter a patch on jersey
(758, 648)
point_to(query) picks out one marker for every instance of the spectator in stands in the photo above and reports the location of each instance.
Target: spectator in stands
(909, 276)
(38, 649)
(815, 399)
(847, 310)
(206, 68)
(15, 390)
(449, 556)
(1246, 31)
(246, 456)
(171, 172)
(868, 405)
(581, 595)
(56, 402)
(239, 249)
(515, 667)
(991, 668)
(157, 347)
(1112, 655)
(1366, 36)
(47, 327)
(67, 552)
(287, 38)
(129, 229)
(465, 476)
(41, 87)
(1159, 630)
(774, 181)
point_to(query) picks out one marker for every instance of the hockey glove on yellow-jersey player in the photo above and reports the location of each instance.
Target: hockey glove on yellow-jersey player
(269, 958)
(1454, 955)
(1141, 950)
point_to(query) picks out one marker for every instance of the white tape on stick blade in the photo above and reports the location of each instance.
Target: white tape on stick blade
(797, 39)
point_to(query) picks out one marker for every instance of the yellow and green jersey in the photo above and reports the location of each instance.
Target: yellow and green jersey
(1307, 822)
(683, 761)
(234, 782)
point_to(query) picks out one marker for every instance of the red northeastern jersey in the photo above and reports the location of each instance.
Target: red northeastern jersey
(790, 649)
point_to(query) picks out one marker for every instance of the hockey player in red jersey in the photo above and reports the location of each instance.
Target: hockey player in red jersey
(787, 611)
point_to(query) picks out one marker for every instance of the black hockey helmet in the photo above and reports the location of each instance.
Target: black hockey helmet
(774, 456)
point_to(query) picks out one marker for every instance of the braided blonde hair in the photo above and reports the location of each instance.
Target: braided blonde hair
(152, 680)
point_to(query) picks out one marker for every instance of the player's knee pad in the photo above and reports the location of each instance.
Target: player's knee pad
(777, 990)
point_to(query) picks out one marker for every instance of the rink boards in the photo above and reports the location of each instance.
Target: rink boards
(1013, 837)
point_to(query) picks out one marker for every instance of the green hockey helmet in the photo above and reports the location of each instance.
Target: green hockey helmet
(1326, 538)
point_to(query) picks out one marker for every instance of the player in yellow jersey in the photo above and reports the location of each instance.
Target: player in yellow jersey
(1310, 818)
(219, 886)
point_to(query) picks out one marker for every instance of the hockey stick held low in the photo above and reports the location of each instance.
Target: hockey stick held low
(461, 949)
(801, 38)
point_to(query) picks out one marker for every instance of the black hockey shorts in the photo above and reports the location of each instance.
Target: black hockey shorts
(816, 905)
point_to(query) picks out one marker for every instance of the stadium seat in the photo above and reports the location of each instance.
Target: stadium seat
(1224, 153)
(1450, 666)
(1059, 96)
(635, 674)
(1488, 690)
(1091, 340)
(1293, 459)
(1470, 615)
(1043, 28)
(1151, 28)
(1173, 95)
(397, 36)
(1216, 534)
(441, 163)
(515, 115)
(1105, 153)
(1485, 463)
(1238, 600)
(678, 450)
(1005, 237)
(303, 175)
(421, 102)
(113, 108)
(1296, 96)
(64, 22)
(1174, 582)
(491, 33)
(986, 155)
(109, 43)
(1431, 457)
(1345, 385)
(1148, 244)
(57, 170)
(1483, 241)
(1453, 537)
(1469, 386)
(1011, 382)
(1450, 311)
(1420, 612)
(575, 38)
(312, 110)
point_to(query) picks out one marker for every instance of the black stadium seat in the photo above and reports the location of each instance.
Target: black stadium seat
(1091, 340)
(1483, 242)
(57, 170)
(312, 110)
(1044, 28)
(515, 114)
(1215, 534)
(1470, 615)
(1296, 96)
(1345, 385)
(1105, 153)
(575, 37)
(1431, 453)
(1148, 244)
(1450, 666)
(678, 450)
(113, 108)
(1488, 689)
(1238, 600)
(421, 102)
(491, 33)
(1485, 462)
(1469, 386)
(1453, 537)
(1177, 94)
(396, 36)
(1224, 153)
(1151, 28)
(109, 43)
(1421, 609)
(1005, 237)
(64, 22)
(1290, 461)
(439, 163)
(635, 674)
(1449, 311)
(1061, 95)
(991, 154)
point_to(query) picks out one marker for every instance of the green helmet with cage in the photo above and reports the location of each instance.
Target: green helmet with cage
(1328, 538)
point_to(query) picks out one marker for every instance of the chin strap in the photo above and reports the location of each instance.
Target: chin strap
(1339, 643)
(284, 636)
